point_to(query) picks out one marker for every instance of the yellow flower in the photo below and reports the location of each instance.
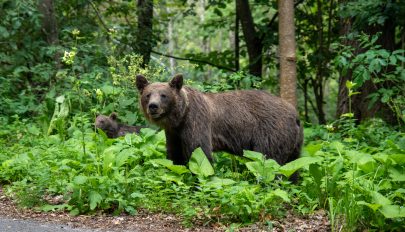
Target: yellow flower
(75, 32)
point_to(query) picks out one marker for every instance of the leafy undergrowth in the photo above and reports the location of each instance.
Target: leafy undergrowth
(355, 173)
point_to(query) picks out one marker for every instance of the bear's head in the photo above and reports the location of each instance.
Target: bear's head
(109, 124)
(161, 102)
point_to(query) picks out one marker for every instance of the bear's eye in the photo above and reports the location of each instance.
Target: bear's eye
(163, 95)
(148, 95)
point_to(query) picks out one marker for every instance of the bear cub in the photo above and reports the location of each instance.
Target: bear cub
(231, 121)
(112, 128)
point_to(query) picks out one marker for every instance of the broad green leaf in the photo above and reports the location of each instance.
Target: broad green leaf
(336, 167)
(109, 157)
(79, 180)
(396, 175)
(137, 195)
(291, 167)
(160, 162)
(398, 158)
(374, 207)
(282, 194)
(393, 211)
(364, 161)
(383, 158)
(74, 212)
(316, 172)
(122, 157)
(367, 163)
(171, 177)
(199, 164)
(95, 199)
(338, 146)
(253, 155)
(217, 182)
(313, 148)
(178, 169)
(263, 170)
(108, 90)
(378, 198)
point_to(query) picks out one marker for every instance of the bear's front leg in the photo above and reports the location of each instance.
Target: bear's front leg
(174, 148)
(199, 139)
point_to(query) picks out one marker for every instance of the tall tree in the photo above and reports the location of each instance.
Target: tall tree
(49, 25)
(253, 42)
(365, 22)
(144, 40)
(288, 73)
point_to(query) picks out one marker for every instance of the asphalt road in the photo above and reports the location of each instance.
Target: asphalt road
(16, 225)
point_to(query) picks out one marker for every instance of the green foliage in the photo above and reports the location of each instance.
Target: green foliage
(383, 68)
(357, 177)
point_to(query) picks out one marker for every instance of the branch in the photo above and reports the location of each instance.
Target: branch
(195, 60)
(99, 17)
(159, 53)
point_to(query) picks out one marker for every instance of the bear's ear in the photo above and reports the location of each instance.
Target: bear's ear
(141, 82)
(114, 116)
(177, 81)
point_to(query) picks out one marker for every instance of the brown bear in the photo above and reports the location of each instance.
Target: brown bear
(231, 121)
(113, 129)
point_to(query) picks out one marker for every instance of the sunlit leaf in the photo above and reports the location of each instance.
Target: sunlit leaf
(199, 164)
(291, 167)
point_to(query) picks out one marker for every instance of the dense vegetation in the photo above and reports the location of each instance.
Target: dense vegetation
(59, 69)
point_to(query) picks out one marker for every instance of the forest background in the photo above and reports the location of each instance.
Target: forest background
(62, 62)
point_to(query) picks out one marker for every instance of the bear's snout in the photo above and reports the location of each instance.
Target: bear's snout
(154, 110)
(153, 107)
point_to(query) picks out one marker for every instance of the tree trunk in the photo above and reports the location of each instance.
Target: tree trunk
(50, 26)
(317, 84)
(253, 42)
(145, 29)
(172, 61)
(343, 94)
(236, 41)
(288, 73)
(205, 43)
(360, 102)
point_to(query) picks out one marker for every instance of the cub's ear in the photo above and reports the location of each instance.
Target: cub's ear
(141, 82)
(177, 81)
(114, 116)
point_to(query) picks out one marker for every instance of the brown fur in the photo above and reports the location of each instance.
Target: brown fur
(232, 121)
(112, 128)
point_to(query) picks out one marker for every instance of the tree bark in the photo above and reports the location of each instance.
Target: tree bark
(317, 84)
(288, 73)
(145, 29)
(172, 61)
(50, 26)
(253, 42)
(237, 54)
(360, 102)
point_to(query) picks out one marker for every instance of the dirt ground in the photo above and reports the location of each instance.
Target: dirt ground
(144, 221)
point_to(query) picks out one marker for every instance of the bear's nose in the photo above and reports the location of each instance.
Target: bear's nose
(153, 107)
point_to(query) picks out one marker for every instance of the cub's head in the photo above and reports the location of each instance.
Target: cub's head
(160, 101)
(109, 124)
